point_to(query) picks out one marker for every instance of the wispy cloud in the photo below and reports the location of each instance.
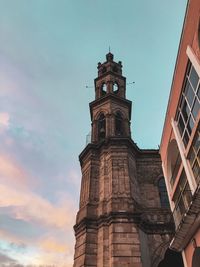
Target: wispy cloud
(11, 173)
(44, 227)
(4, 259)
(4, 119)
(32, 207)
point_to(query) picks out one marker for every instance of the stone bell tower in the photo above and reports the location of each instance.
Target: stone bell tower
(121, 219)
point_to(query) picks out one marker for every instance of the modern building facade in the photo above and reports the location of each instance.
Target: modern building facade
(124, 217)
(180, 144)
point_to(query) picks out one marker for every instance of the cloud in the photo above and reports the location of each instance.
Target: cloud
(53, 248)
(74, 177)
(31, 207)
(4, 119)
(54, 245)
(12, 173)
(4, 259)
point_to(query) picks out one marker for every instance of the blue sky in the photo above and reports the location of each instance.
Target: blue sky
(49, 52)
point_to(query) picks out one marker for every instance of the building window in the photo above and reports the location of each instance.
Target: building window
(164, 201)
(102, 127)
(173, 161)
(189, 105)
(182, 198)
(118, 124)
(194, 156)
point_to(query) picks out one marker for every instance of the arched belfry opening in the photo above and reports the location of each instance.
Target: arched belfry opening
(101, 127)
(115, 88)
(118, 124)
(103, 89)
(110, 79)
(172, 259)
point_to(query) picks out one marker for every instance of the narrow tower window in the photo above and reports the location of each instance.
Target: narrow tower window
(118, 124)
(102, 127)
(103, 89)
(115, 88)
(163, 193)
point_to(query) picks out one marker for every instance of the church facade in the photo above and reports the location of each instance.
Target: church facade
(124, 217)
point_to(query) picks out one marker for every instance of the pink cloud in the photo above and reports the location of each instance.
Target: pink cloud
(32, 207)
(4, 122)
(13, 174)
(57, 244)
(51, 249)
(58, 218)
(4, 119)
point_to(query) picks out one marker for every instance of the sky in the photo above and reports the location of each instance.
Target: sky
(49, 50)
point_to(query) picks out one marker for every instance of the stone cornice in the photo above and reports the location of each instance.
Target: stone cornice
(150, 220)
(118, 141)
(108, 97)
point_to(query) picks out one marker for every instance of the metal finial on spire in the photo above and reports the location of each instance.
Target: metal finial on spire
(109, 56)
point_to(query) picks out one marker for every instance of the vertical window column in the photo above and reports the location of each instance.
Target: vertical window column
(188, 171)
(189, 106)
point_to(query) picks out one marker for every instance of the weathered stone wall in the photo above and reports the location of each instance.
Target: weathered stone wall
(148, 172)
(120, 212)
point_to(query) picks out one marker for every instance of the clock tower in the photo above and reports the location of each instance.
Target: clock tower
(123, 217)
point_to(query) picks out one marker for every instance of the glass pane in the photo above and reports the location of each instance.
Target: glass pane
(181, 125)
(185, 111)
(185, 138)
(175, 168)
(194, 78)
(189, 93)
(187, 196)
(191, 156)
(190, 125)
(196, 170)
(183, 180)
(196, 143)
(195, 108)
(198, 93)
(177, 215)
(181, 206)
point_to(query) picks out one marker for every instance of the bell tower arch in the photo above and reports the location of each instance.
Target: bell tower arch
(110, 79)
(110, 101)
